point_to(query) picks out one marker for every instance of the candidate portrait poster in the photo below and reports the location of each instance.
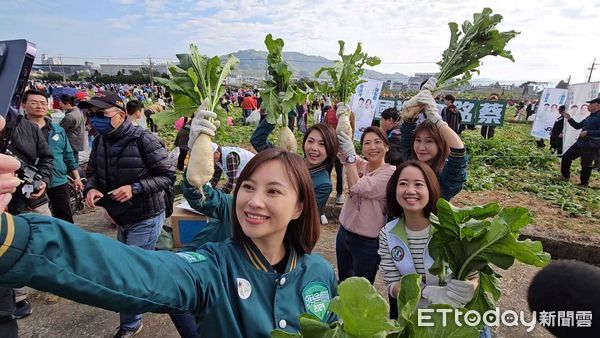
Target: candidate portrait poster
(578, 109)
(363, 104)
(547, 112)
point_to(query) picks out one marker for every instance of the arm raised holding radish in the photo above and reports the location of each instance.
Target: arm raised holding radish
(477, 40)
(346, 75)
(197, 87)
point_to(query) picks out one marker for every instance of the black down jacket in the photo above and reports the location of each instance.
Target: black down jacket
(115, 160)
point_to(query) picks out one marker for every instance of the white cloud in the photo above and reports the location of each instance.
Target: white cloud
(127, 21)
(555, 39)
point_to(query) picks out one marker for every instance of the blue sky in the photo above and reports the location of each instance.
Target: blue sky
(558, 38)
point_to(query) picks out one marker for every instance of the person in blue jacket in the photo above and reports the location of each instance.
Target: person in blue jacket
(320, 147)
(261, 279)
(436, 144)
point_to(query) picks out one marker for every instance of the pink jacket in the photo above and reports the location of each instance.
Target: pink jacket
(365, 208)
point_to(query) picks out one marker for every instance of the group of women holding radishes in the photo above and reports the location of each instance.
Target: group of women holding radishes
(264, 276)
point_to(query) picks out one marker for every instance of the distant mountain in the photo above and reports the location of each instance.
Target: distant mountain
(253, 63)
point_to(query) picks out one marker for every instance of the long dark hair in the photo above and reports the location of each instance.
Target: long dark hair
(331, 142)
(437, 163)
(302, 233)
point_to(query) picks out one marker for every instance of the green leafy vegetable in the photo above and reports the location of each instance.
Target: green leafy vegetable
(197, 78)
(470, 239)
(466, 49)
(277, 105)
(346, 73)
(464, 53)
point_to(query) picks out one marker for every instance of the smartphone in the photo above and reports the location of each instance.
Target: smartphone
(16, 61)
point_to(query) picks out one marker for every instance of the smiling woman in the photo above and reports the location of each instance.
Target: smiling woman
(363, 213)
(260, 280)
(412, 193)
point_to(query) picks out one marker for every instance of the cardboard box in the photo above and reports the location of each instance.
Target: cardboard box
(186, 225)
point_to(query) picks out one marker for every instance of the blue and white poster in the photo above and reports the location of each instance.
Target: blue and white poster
(383, 105)
(364, 101)
(578, 109)
(547, 112)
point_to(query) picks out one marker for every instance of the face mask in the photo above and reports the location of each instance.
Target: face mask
(101, 124)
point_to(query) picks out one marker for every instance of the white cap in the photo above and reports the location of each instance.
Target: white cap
(214, 146)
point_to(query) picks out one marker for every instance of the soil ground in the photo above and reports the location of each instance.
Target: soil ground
(57, 317)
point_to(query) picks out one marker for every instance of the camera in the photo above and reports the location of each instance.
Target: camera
(32, 180)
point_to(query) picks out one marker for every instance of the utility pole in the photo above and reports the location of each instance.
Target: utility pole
(591, 70)
(151, 78)
(569, 80)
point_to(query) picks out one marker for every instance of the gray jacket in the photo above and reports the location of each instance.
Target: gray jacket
(74, 125)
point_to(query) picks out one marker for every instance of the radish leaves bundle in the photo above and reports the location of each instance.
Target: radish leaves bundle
(198, 82)
(477, 40)
(346, 75)
(280, 96)
(470, 239)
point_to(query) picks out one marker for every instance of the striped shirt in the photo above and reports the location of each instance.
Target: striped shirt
(417, 242)
(391, 275)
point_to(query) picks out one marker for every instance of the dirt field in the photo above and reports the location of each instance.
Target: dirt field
(57, 317)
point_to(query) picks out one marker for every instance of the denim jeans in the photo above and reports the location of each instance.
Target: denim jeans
(185, 323)
(356, 255)
(142, 234)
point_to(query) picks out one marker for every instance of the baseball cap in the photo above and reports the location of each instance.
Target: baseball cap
(596, 100)
(103, 100)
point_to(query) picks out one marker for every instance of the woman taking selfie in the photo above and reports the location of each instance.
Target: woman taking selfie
(261, 279)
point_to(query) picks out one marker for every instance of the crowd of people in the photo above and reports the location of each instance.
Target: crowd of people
(251, 269)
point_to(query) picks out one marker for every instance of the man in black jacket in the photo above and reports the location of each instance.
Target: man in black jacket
(389, 123)
(128, 172)
(556, 135)
(29, 146)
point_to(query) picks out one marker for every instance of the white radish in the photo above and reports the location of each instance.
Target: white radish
(287, 140)
(344, 120)
(201, 166)
(412, 107)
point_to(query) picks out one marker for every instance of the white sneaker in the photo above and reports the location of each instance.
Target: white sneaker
(339, 200)
(324, 219)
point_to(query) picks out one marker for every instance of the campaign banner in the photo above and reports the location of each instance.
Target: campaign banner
(383, 105)
(484, 113)
(364, 101)
(547, 112)
(578, 109)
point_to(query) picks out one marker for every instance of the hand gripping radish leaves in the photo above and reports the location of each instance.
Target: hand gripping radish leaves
(465, 51)
(197, 85)
(346, 75)
(280, 96)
